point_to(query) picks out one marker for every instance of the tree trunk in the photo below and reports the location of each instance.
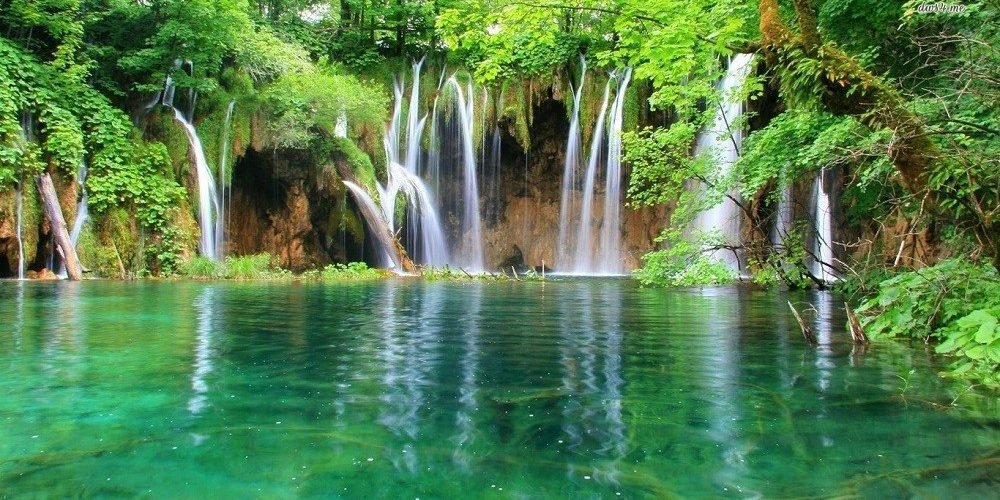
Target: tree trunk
(379, 228)
(58, 224)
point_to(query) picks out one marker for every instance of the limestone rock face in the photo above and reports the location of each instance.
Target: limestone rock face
(532, 225)
(280, 208)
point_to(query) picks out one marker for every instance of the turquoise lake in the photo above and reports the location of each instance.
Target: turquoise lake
(402, 388)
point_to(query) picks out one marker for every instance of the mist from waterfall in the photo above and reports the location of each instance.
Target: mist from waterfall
(721, 142)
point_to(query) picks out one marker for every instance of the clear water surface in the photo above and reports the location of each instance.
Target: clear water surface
(402, 388)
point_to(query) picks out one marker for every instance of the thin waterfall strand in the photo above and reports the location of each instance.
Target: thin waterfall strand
(472, 257)
(583, 249)
(19, 207)
(208, 200)
(823, 218)
(609, 252)
(570, 167)
(220, 221)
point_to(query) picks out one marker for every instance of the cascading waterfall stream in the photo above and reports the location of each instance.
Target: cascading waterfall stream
(783, 221)
(722, 141)
(19, 208)
(27, 127)
(583, 253)
(209, 203)
(567, 199)
(609, 252)
(82, 208)
(220, 220)
(471, 257)
(426, 230)
(208, 196)
(823, 218)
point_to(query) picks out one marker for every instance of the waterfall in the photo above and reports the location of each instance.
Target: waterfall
(208, 197)
(340, 128)
(426, 233)
(19, 207)
(783, 220)
(471, 257)
(220, 221)
(432, 169)
(210, 209)
(721, 143)
(570, 166)
(582, 257)
(26, 135)
(392, 134)
(491, 172)
(609, 252)
(823, 219)
(414, 124)
(582, 253)
(401, 180)
(82, 209)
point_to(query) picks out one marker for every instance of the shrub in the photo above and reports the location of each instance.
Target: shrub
(955, 302)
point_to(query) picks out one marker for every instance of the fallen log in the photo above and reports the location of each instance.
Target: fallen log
(50, 202)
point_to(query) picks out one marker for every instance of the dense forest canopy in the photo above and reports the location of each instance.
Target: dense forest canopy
(901, 99)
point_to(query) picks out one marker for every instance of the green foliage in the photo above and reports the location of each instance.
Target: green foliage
(447, 273)
(683, 264)
(202, 267)
(249, 267)
(203, 32)
(359, 162)
(300, 103)
(351, 271)
(955, 302)
(787, 262)
(661, 163)
(246, 267)
(798, 143)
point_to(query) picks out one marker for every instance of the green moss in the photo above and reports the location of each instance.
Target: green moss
(359, 162)
(99, 259)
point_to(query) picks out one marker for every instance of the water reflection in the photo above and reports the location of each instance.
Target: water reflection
(205, 306)
(19, 315)
(409, 335)
(823, 328)
(719, 313)
(592, 381)
(63, 346)
(467, 390)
